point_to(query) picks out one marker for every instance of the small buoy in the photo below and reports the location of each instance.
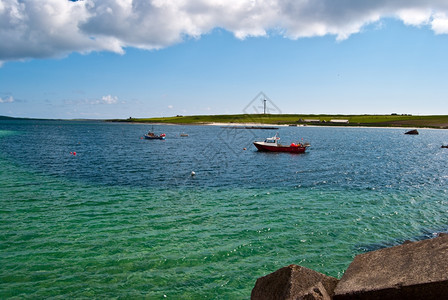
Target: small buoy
(74, 153)
(193, 173)
(244, 148)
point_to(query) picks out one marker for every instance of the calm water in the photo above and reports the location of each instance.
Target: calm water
(124, 217)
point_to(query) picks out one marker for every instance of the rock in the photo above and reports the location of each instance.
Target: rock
(411, 132)
(415, 270)
(294, 282)
(317, 292)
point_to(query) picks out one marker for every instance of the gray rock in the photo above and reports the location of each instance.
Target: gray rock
(415, 131)
(317, 292)
(294, 282)
(417, 270)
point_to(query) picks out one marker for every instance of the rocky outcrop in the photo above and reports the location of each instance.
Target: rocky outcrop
(413, 270)
(294, 282)
(415, 132)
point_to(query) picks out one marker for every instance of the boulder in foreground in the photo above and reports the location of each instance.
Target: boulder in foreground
(294, 282)
(417, 270)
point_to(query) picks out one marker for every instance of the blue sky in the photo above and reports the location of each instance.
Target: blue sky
(306, 59)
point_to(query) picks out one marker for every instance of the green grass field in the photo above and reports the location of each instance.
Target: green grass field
(437, 121)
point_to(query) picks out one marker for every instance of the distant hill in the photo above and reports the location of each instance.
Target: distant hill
(7, 118)
(13, 118)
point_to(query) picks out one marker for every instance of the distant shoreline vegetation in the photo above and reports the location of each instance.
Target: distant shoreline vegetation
(392, 120)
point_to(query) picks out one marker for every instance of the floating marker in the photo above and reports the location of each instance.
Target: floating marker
(193, 173)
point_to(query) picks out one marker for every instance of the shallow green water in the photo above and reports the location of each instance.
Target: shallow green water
(77, 226)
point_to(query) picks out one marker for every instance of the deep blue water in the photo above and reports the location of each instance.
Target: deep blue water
(125, 218)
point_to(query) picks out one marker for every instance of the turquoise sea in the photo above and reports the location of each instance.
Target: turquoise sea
(124, 218)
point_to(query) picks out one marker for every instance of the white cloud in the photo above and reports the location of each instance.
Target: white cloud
(54, 28)
(440, 23)
(414, 16)
(170, 106)
(109, 99)
(9, 99)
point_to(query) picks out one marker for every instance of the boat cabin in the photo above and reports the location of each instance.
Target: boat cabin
(272, 140)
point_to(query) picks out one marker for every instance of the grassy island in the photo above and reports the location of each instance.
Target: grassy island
(393, 120)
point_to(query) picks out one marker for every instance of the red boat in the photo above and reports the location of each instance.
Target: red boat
(152, 136)
(272, 145)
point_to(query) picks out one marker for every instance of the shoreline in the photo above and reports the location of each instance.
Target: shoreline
(243, 125)
(314, 126)
(261, 120)
(377, 121)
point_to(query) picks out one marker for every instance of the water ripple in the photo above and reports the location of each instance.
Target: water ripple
(124, 217)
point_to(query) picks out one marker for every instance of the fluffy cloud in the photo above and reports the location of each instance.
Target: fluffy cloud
(440, 23)
(109, 99)
(54, 28)
(9, 99)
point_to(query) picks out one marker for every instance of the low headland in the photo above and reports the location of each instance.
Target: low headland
(392, 120)
(366, 120)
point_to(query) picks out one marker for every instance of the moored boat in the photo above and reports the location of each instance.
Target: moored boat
(272, 145)
(152, 136)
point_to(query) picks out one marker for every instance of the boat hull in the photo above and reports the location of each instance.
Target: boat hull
(154, 137)
(290, 149)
